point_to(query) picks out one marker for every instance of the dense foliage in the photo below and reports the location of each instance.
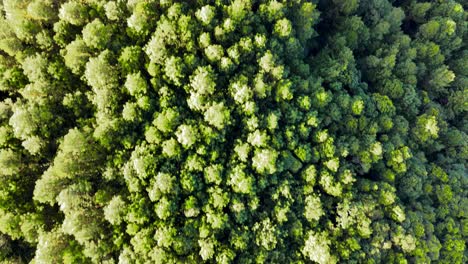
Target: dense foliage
(245, 131)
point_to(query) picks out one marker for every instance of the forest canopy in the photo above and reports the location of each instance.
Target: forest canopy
(245, 131)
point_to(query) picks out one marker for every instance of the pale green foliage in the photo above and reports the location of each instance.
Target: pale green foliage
(163, 183)
(332, 164)
(140, 20)
(171, 148)
(329, 184)
(214, 53)
(240, 90)
(76, 158)
(203, 81)
(321, 136)
(206, 249)
(317, 249)
(130, 112)
(242, 150)
(51, 247)
(47, 188)
(9, 41)
(113, 10)
(266, 237)
(96, 34)
(258, 138)
(205, 14)
(186, 135)
(406, 242)
(217, 115)
(79, 221)
(309, 174)
(313, 208)
(115, 210)
(426, 127)
(205, 40)
(35, 67)
(163, 208)
(191, 207)
(398, 159)
(33, 144)
(264, 161)
(213, 174)
(101, 76)
(135, 84)
(74, 12)
(240, 181)
(398, 214)
(167, 120)
(24, 121)
(23, 26)
(141, 242)
(31, 225)
(241, 131)
(284, 91)
(283, 28)
(267, 61)
(174, 70)
(76, 55)
(41, 10)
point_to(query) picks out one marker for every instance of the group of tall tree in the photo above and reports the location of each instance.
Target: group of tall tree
(245, 131)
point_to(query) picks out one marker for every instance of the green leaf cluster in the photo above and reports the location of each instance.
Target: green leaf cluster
(244, 131)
